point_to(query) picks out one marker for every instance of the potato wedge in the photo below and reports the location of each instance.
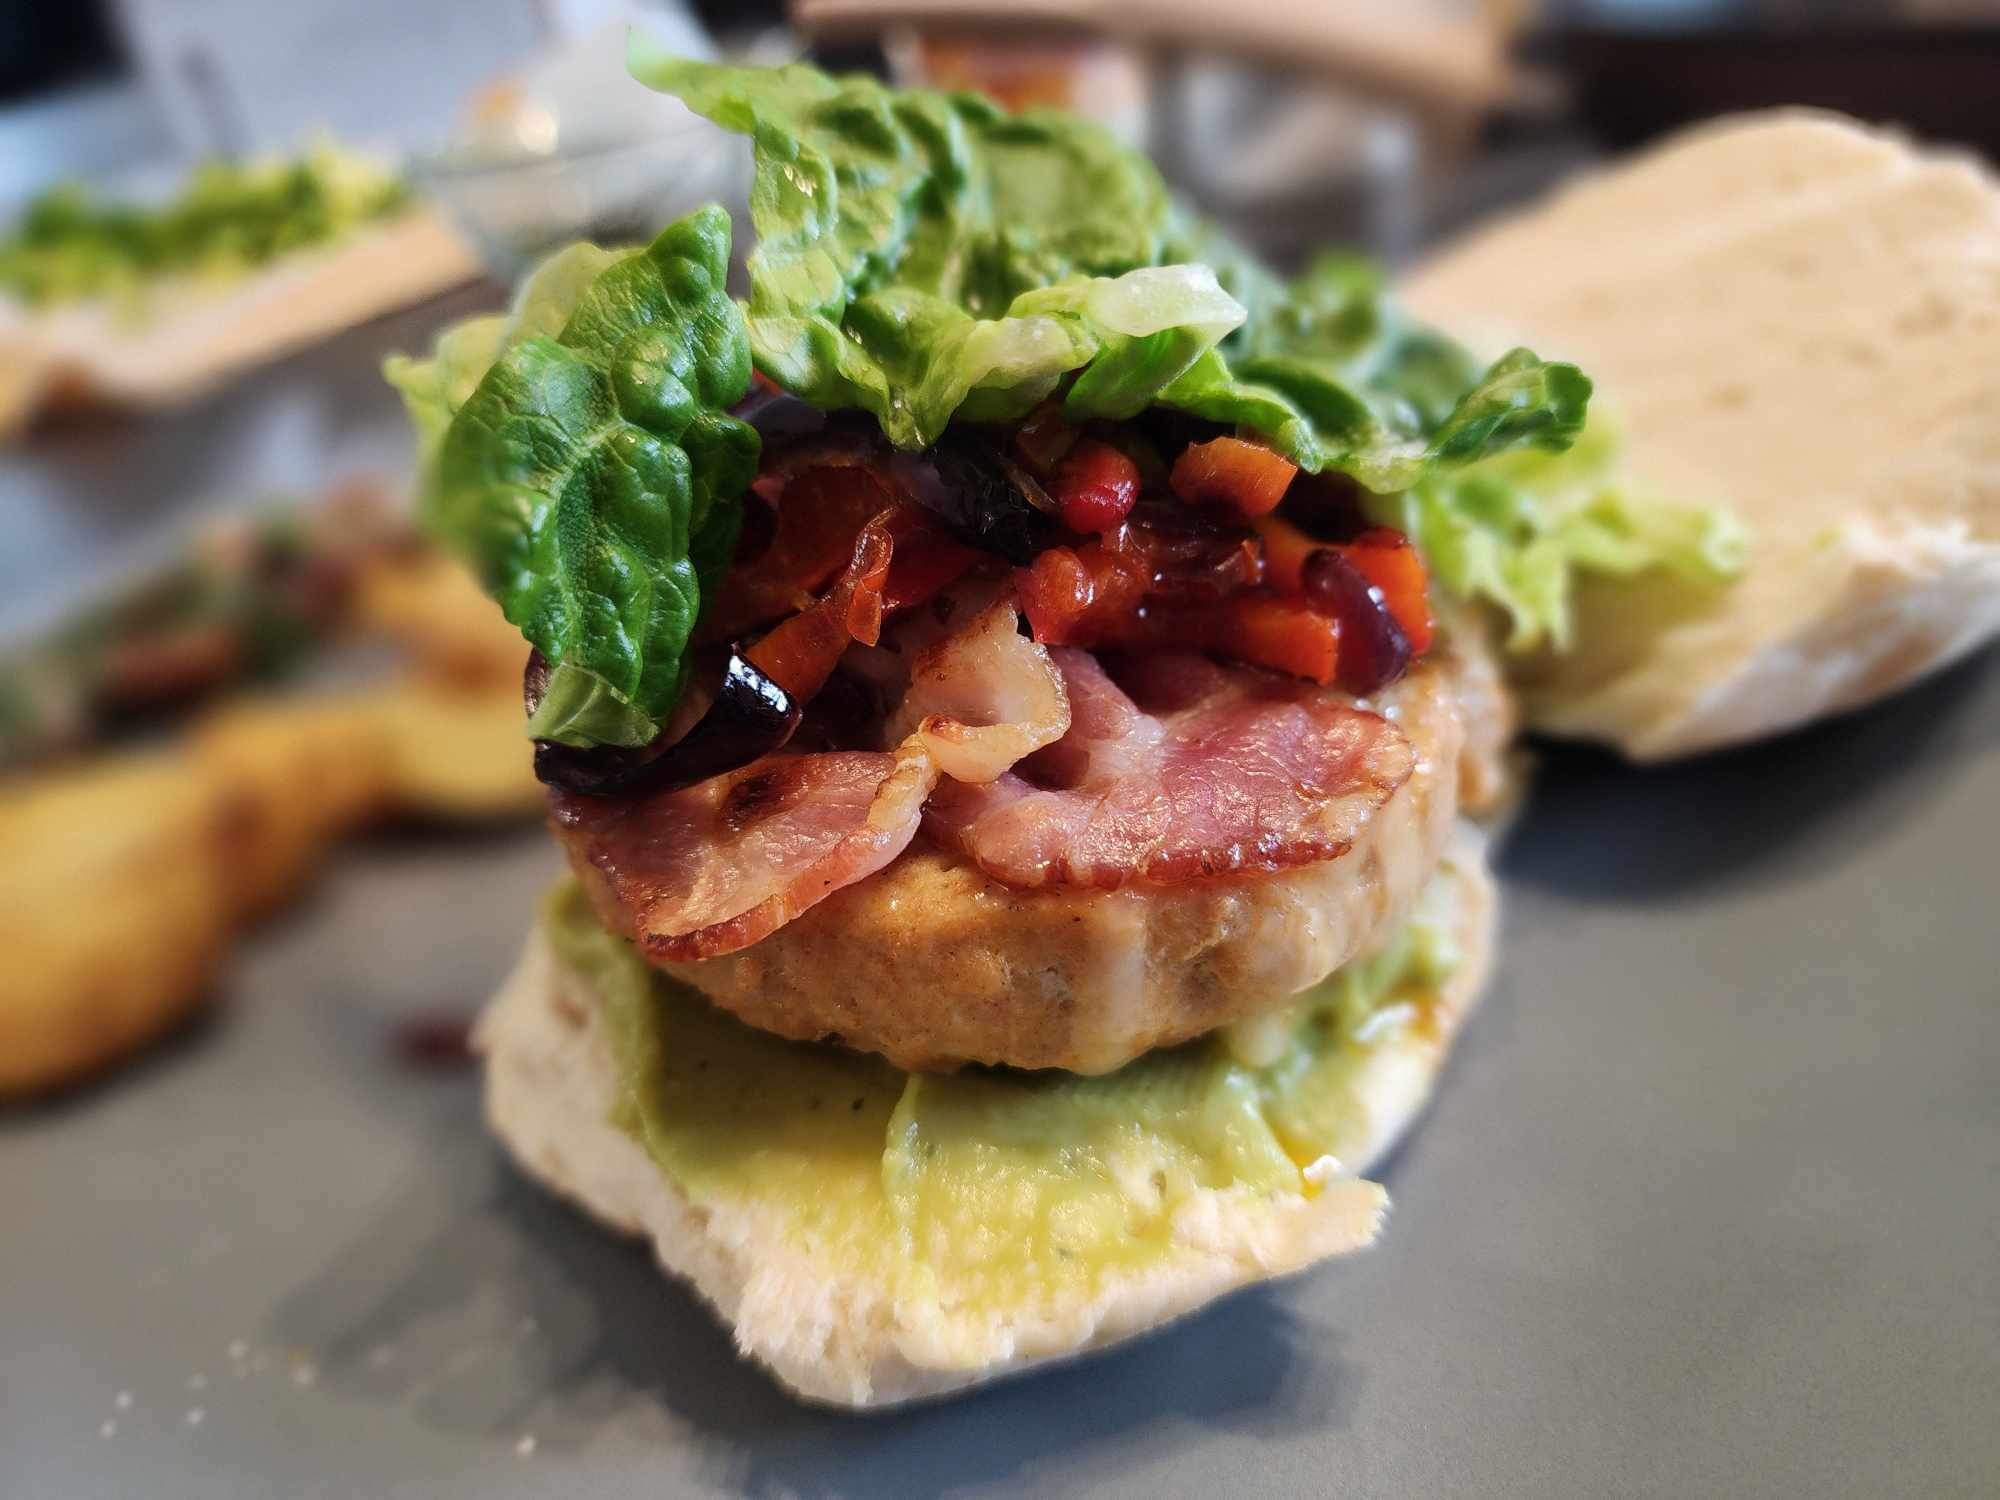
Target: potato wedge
(115, 911)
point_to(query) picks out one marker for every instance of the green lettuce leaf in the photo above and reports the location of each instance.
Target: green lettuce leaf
(1506, 483)
(229, 218)
(1516, 529)
(1335, 375)
(921, 252)
(922, 256)
(434, 389)
(1125, 338)
(591, 471)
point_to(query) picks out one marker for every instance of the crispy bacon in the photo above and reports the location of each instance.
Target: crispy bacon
(1179, 770)
(715, 867)
(981, 696)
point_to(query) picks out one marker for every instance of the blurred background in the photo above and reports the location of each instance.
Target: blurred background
(217, 217)
(1295, 122)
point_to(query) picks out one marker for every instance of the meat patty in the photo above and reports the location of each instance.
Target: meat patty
(934, 964)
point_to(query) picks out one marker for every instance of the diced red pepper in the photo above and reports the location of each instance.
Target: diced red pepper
(1286, 549)
(1262, 629)
(1383, 556)
(1388, 560)
(819, 513)
(1094, 487)
(800, 653)
(1055, 594)
(1072, 595)
(927, 558)
(1248, 477)
(1282, 634)
(1374, 652)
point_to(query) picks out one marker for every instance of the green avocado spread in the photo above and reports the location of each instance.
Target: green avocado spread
(1003, 1184)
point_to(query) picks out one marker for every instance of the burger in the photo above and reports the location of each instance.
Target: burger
(1014, 692)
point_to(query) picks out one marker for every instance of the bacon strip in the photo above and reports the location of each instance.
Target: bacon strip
(983, 696)
(1180, 770)
(714, 868)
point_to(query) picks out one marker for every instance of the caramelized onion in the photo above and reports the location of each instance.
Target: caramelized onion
(749, 717)
(985, 500)
(1374, 651)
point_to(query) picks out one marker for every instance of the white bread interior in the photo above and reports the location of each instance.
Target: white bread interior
(1798, 317)
(838, 1339)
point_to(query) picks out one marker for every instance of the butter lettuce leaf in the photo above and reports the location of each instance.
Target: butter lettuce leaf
(1124, 338)
(590, 472)
(1508, 481)
(1332, 371)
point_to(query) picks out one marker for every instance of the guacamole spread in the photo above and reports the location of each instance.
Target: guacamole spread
(1008, 1185)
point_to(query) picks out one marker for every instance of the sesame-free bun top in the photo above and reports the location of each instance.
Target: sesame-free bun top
(1798, 317)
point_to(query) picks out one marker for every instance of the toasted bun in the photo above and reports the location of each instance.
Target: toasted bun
(839, 1338)
(1087, 980)
(1797, 317)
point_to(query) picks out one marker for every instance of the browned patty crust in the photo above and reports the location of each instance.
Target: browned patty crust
(932, 964)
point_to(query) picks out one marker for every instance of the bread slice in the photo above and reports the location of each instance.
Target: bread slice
(1798, 317)
(839, 1337)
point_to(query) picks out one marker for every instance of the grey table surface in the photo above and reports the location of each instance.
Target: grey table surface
(1708, 1202)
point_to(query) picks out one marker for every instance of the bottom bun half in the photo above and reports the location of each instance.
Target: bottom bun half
(870, 1331)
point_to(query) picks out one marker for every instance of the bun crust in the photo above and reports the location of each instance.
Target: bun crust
(1795, 316)
(836, 1337)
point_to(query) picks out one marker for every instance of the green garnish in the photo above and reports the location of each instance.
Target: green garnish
(231, 217)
